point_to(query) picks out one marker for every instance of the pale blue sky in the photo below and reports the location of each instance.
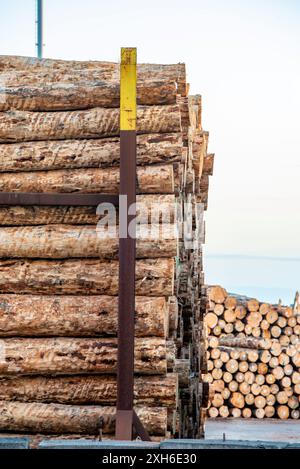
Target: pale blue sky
(243, 57)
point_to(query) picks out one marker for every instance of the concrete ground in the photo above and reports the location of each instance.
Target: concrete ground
(253, 429)
(219, 434)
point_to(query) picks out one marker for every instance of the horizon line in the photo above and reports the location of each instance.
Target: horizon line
(249, 256)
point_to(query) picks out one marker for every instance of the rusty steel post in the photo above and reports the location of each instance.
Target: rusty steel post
(126, 418)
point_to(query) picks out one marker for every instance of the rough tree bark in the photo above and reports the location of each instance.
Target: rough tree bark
(154, 277)
(75, 356)
(150, 179)
(92, 153)
(67, 241)
(35, 315)
(59, 418)
(86, 92)
(154, 208)
(18, 126)
(154, 391)
(66, 70)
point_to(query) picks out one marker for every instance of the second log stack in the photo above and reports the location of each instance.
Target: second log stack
(253, 357)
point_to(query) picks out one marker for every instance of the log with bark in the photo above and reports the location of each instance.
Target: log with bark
(92, 153)
(77, 355)
(150, 208)
(21, 126)
(154, 277)
(153, 391)
(243, 342)
(60, 418)
(35, 315)
(85, 92)
(18, 67)
(67, 241)
(208, 164)
(159, 179)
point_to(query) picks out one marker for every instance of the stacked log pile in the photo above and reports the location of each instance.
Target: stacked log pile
(253, 357)
(59, 127)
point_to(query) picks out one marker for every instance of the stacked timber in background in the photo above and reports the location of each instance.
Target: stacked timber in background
(253, 357)
(59, 127)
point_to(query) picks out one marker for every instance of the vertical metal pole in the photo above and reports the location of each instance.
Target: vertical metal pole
(39, 33)
(127, 246)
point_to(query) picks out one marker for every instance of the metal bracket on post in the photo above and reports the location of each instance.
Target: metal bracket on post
(51, 199)
(126, 418)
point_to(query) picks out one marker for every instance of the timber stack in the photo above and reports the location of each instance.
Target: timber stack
(253, 357)
(59, 133)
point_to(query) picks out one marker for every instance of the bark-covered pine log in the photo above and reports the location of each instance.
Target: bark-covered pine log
(20, 126)
(67, 241)
(59, 418)
(17, 68)
(243, 342)
(153, 391)
(77, 355)
(80, 94)
(150, 208)
(92, 153)
(154, 277)
(77, 316)
(150, 179)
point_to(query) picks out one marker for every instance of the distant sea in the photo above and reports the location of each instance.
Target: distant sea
(265, 278)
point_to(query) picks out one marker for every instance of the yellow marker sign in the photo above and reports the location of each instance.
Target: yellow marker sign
(128, 89)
